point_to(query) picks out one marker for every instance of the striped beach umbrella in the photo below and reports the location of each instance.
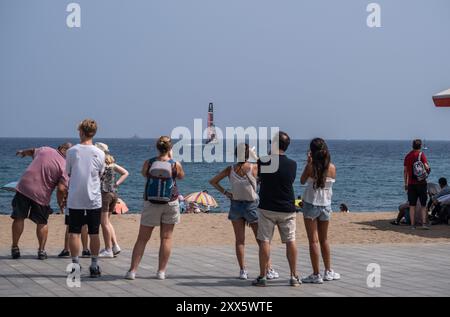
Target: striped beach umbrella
(203, 199)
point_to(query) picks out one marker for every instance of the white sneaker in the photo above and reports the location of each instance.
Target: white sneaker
(161, 276)
(331, 276)
(116, 250)
(243, 275)
(313, 279)
(130, 276)
(272, 274)
(106, 254)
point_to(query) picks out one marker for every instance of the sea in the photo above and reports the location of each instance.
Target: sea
(369, 173)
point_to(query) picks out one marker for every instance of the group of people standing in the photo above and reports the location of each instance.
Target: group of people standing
(86, 178)
(274, 206)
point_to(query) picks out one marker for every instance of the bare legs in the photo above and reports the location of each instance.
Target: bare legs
(17, 231)
(318, 243)
(145, 233)
(239, 232)
(412, 215)
(42, 234)
(264, 257)
(84, 239)
(165, 247)
(109, 234)
(423, 215)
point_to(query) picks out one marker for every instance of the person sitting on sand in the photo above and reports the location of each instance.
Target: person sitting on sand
(403, 209)
(161, 206)
(319, 175)
(277, 208)
(244, 202)
(344, 208)
(34, 191)
(440, 212)
(109, 200)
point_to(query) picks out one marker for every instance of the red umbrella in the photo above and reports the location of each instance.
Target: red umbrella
(121, 207)
(442, 99)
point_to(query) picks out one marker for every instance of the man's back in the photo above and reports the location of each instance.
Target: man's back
(277, 191)
(42, 176)
(410, 159)
(85, 165)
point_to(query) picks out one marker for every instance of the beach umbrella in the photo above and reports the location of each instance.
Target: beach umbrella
(121, 207)
(202, 198)
(442, 99)
(11, 187)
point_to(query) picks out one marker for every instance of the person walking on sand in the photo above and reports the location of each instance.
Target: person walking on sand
(416, 171)
(85, 166)
(319, 175)
(34, 191)
(109, 200)
(277, 208)
(244, 202)
(161, 206)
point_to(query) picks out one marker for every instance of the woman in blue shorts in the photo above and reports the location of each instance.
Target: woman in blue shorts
(244, 202)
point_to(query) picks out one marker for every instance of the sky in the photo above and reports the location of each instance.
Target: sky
(312, 67)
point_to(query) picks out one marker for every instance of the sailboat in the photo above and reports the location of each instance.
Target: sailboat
(212, 135)
(442, 99)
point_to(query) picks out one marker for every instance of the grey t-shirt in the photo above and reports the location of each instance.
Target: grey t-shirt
(85, 165)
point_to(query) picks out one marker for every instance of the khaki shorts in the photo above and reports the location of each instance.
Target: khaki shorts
(154, 215)
(286, 223)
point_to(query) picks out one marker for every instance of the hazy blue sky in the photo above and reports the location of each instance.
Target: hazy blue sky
(312, 67)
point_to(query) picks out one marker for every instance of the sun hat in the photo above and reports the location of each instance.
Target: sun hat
(102, 146)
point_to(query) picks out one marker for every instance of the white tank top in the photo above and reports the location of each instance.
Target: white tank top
(319, 196)
(243, 188)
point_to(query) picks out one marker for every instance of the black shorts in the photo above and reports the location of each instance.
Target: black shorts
(417, 192)
(23, 207)
(79, 218)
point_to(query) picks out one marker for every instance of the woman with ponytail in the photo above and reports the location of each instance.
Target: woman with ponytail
(319, 176)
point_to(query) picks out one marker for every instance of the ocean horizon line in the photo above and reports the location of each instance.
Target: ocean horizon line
(155, 138)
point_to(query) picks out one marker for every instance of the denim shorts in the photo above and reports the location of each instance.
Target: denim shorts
(323, 213)
(247, 210)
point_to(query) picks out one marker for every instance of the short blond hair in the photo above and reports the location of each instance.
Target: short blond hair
(88, 127)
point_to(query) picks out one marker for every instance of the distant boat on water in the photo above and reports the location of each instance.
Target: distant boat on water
(424, 147)
(135, 137)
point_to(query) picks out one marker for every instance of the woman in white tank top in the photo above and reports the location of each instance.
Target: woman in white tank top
(244, 201)
(319, 176)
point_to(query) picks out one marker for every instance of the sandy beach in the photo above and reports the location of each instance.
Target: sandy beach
(216, 230)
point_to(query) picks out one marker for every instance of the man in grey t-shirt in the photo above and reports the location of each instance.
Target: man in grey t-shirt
(85, 166)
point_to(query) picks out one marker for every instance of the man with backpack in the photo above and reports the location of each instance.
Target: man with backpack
(416, 171)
